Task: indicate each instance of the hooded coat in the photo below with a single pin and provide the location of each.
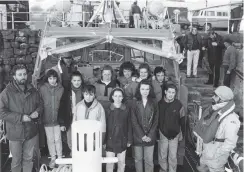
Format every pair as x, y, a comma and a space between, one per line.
51, 96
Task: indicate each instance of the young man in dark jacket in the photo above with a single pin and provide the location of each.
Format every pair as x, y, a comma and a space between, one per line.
214, 45
20, 108
136, 13
193, 46
171, 127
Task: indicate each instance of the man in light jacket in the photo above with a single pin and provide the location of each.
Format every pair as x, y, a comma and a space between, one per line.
215, 153
229, 63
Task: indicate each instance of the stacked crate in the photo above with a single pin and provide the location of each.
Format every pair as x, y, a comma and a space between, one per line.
18, 47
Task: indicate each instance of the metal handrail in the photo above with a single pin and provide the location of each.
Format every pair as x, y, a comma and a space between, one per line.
238, 73
44, 14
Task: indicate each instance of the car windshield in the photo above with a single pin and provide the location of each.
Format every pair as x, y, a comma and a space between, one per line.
196, 13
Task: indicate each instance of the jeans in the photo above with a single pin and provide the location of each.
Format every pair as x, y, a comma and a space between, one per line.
22, 154
224, 78
137, 21
144, 153
121, 162
166, 146
192, 55
215, 77
54, 141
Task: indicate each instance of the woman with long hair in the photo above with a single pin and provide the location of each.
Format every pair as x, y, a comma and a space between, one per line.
144, 118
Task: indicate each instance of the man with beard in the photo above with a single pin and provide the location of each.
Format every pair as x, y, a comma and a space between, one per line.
219, 138
214, 46
20, 108
171, 128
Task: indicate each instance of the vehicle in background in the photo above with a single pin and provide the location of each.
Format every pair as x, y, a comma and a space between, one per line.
214, 18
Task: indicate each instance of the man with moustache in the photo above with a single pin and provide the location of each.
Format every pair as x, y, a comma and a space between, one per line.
21, 107
171, 128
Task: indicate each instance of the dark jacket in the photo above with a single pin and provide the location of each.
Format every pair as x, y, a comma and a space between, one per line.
135, 9
124, 82
214, 52
52, 63
51, 97
66, 73
181, 40
14, 103
144, 122
189, 41
171, 118
103, 91
119, 131
130, 90
65, 115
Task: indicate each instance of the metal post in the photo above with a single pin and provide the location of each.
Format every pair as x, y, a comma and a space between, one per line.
1, 18
12, 13
206, 20
229, 16
83, 15
1, 157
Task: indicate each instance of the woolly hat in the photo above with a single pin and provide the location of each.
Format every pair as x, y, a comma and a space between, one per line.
224, 93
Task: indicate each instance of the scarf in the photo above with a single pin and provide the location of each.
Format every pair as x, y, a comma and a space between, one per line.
88, 104
76, 96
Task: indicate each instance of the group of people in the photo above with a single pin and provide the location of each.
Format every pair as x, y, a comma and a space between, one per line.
133, 109
136, 109
220, 54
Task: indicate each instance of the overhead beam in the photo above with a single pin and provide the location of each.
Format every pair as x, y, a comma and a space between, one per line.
149, 49
75, 46
79, 32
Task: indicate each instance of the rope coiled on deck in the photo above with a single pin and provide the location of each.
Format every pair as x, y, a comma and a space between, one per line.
61, 168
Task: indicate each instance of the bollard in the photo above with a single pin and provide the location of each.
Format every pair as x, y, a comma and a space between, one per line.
86, 147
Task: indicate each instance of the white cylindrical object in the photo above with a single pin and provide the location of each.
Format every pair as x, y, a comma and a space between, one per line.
64, 161
87, 146
110, 160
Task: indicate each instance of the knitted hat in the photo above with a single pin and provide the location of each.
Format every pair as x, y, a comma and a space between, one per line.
224, 93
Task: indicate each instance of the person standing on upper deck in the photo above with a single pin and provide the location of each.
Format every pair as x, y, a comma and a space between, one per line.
229, 63
214, 45
136, 12
193, 46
